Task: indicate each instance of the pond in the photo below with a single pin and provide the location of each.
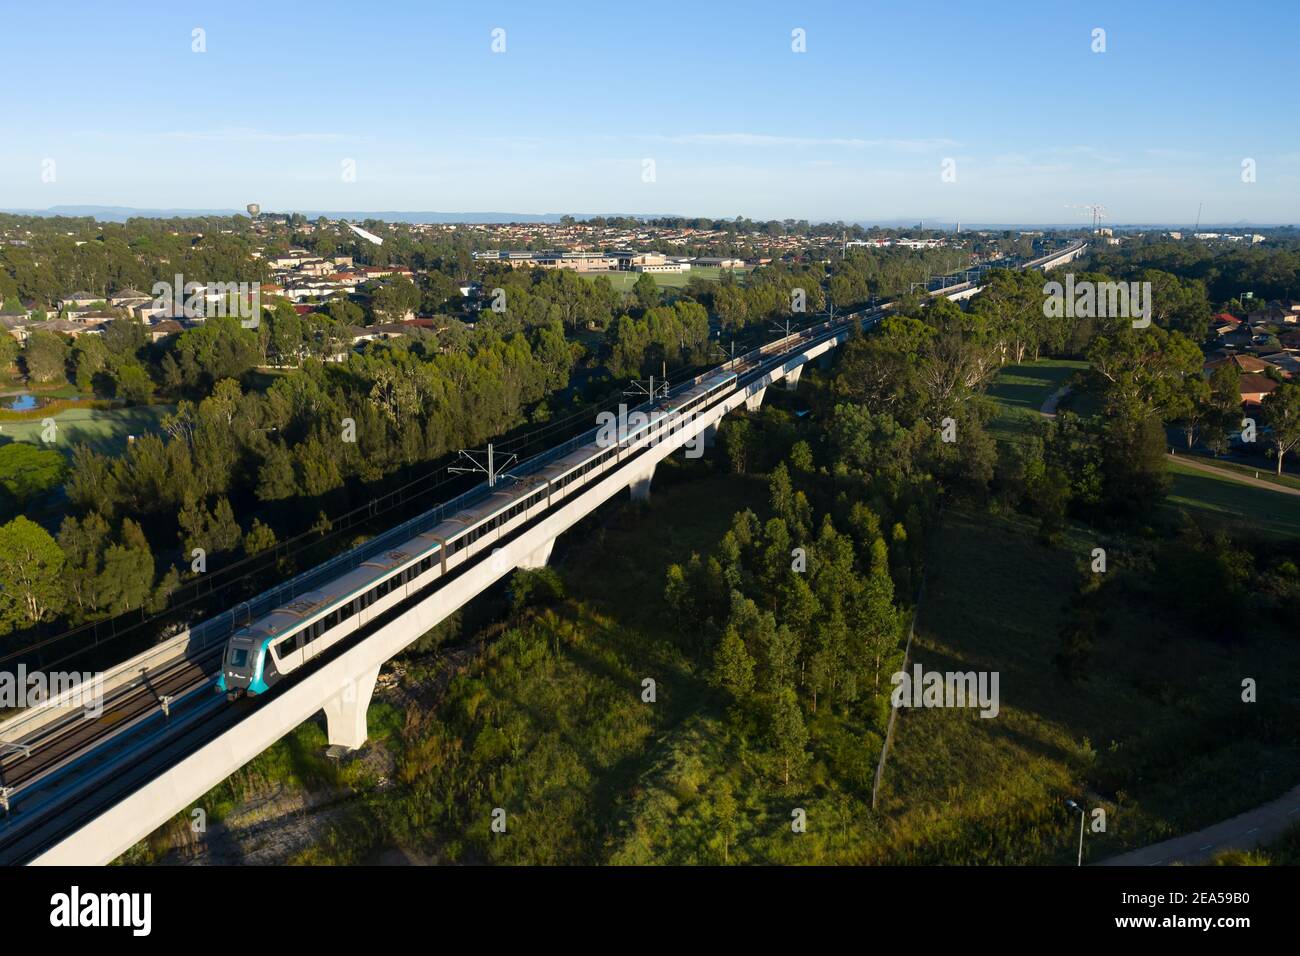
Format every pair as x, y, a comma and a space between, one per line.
26, 401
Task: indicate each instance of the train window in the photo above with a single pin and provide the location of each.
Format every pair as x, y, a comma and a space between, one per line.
332, 620
239, 657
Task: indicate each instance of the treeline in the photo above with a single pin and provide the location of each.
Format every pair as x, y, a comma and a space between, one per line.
865, 274
104, 258
770, 294
310, 438
796, 616
1269, 270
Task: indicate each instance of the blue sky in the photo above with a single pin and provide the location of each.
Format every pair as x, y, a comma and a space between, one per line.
735, 122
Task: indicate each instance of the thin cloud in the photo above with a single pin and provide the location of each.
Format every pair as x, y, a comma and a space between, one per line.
259, 136
803, 142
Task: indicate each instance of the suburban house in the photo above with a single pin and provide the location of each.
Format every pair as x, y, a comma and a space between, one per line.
1287, 362
163, 328
1255, 387
1223, 323
1247, 363
129, 299
79, 300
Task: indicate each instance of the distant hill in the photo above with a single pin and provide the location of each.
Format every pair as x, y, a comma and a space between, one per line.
123, 213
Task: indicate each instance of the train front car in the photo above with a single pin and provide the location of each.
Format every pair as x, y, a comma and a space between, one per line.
243, 664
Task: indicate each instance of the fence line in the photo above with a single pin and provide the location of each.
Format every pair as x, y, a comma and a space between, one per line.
907, 654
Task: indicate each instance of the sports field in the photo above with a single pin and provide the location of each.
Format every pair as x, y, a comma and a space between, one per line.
1221, 500
1021, 390
623, 281
105, 430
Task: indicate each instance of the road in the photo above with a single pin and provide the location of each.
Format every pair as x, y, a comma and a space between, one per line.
1228, 473
1243, 832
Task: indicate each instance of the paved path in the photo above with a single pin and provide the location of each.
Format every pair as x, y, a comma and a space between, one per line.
1243, 832
1192, 462
1049, 405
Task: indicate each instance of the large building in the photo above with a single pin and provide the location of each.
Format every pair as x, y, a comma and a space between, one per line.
625, 261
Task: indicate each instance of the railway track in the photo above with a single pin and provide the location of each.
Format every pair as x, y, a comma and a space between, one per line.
72, 768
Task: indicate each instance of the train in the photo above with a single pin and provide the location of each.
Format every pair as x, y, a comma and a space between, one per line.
279, 644
274, 647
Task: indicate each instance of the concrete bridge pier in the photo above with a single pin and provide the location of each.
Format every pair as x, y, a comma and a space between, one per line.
755, 401
792, 378
640, 485
539, 557
345, 712
710, 435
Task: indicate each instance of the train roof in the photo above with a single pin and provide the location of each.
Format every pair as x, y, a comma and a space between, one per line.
306, 604
444, 530
390, 559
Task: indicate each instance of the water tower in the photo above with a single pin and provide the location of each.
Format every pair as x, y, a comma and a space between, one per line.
253, 209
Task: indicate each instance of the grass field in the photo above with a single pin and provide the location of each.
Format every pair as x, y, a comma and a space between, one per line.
1159, 739
1021, 390
1216, 500
104, 430
623, 281
1266, 473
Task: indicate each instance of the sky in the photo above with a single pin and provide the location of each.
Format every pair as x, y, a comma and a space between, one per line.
995, 112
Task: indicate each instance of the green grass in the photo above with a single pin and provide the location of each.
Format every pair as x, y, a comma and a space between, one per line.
17, 384
1283, 851
1021, 390
623, 281
1223, 501
1286, 479
104, 430
1156, 735
548, 722
691, 513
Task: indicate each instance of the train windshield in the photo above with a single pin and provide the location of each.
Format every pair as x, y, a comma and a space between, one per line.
238, 656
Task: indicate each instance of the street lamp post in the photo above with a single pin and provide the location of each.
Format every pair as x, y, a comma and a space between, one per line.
1074, 806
